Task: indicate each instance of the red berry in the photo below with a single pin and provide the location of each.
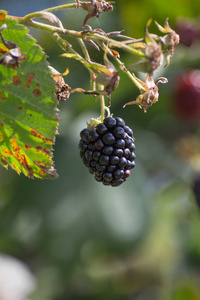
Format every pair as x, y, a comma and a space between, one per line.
188, 32
187, 95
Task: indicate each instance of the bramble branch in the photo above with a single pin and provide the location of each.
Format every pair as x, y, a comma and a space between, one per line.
149, 50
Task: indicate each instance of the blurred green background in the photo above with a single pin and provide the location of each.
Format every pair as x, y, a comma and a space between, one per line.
83, 240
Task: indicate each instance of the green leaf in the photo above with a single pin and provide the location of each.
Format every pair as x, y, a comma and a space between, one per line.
91, 66
28, 108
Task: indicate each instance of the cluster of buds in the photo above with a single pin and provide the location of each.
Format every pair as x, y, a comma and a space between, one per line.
154, 48
150, 50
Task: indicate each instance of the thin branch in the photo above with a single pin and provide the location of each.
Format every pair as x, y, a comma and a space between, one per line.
87, 56
85, 35
84, 48
123, 68
59, 7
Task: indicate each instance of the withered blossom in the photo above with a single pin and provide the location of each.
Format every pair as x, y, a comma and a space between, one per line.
170, 40
110, 79
94, 8
150, 94
153, 53
62, 89
11, 55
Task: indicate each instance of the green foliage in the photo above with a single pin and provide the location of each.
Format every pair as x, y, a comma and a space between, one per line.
27, 108
135, 13
84, 241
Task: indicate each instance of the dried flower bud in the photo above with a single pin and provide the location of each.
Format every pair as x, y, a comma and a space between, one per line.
51, 18
154, 53
170, 40
11, 54
109, 78
7, 60
113, 83
150, 94
62, 89
94, 8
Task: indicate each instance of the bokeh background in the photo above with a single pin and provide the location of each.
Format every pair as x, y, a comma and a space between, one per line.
82, 240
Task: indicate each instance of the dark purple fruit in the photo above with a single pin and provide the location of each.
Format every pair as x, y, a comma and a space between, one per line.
108, 151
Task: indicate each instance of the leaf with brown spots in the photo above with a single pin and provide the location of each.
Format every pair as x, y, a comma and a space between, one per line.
28, 108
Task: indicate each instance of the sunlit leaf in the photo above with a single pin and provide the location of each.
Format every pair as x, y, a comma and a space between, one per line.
28, 120
91, 66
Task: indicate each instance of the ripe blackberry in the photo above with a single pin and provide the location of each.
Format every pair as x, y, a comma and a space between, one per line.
108, 151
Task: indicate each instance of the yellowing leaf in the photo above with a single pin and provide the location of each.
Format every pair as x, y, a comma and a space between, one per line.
28, 110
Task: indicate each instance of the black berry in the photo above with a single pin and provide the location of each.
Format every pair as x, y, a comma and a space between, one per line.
84, 135
108, 151
120, 122
108, 138
128, 130
101, 128
119, 132
120, 143
118, 152
96, 155
93, 135
110, 122
99, 144
114, 160
104, 160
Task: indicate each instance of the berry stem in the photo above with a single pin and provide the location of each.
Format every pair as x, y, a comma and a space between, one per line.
59, 7
87, 56
103, 106
122, 67
61, 42
129, 74
84, 49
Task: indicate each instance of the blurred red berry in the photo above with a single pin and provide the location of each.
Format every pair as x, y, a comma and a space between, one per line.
188, 31
186, 100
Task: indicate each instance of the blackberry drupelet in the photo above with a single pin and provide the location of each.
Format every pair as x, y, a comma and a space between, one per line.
108, 151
